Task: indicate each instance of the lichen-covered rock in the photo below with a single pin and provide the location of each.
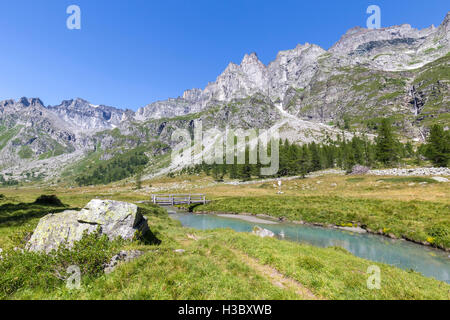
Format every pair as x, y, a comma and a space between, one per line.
117, 219
113, 218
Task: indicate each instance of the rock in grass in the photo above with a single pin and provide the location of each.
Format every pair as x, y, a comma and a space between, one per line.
122, 256
263, 233
358, 169
117, 219
113, 218
440, 179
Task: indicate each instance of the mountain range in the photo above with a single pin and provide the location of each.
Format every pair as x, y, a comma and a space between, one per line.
308, 92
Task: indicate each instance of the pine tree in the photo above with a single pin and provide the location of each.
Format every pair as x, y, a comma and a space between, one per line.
245, 172
303, 161
139, 180
438, 146
216, 172
233, 171
386, 144
315, 157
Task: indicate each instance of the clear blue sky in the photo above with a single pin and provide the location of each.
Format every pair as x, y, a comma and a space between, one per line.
130, 53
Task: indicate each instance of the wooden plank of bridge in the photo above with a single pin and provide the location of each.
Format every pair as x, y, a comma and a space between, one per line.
174, 199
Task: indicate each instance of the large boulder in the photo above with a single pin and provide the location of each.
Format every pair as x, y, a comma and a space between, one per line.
113, 218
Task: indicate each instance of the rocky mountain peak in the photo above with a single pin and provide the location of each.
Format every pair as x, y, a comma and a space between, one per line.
446, 22
251, 59
193, 95
27, 102
232, 67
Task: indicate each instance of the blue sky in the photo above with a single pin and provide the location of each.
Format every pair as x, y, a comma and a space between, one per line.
130, 53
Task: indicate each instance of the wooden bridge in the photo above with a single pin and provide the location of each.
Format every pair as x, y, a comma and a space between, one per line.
174, 199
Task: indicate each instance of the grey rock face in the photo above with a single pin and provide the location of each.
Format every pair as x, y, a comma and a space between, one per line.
397, 72
122, 257
396, 48
166, 109
115, 219
83, 116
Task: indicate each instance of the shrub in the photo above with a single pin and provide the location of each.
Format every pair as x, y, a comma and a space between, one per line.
47, 272
90, 254
49, 200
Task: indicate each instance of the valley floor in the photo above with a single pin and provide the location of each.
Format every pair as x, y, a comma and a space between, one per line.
223, 264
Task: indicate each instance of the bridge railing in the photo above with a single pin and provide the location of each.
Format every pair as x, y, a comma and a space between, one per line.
173, 199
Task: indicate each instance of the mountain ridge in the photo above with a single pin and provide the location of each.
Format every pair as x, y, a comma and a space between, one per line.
397, 72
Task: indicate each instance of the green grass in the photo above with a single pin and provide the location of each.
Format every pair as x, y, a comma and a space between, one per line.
211, 268
333, 272
433, 72
214, 267
408, 180
56, 150
416, 220
7, 134
25, 152
357, 179
390, 96
18, 219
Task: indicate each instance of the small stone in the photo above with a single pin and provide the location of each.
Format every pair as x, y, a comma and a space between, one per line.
179, 251
192, 237
122, 256
263, 233
440, 179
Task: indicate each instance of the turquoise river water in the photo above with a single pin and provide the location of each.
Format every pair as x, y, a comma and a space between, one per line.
400, 253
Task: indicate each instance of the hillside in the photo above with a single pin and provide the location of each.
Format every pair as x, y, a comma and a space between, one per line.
309, 93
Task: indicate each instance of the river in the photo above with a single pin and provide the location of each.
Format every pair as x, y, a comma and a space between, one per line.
400, 253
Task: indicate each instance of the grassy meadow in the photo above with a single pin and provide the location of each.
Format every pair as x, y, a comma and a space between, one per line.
223, 264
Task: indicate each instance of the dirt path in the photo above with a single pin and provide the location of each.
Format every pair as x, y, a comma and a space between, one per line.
275, 277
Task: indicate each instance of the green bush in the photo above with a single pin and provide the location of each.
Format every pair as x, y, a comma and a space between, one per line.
49, 200
29, 270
